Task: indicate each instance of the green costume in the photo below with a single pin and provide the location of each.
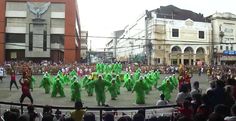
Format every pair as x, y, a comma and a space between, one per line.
166, 87
174, 81
113, 89
72, 74
129, 84
126, 76
75, 91
57, 88
137, 75
148, 83
32, 82
46, 84
100, 85
108, 77
139, 88
118, 83
66, 79
89, 88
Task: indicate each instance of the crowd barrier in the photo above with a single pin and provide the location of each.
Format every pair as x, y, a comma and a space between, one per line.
100, 110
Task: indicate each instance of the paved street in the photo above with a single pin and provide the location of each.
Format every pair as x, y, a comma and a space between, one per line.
125, 99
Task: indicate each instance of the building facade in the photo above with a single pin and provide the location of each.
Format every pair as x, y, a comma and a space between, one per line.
224, 41
84, 44
167, 36
112, 44
40, 30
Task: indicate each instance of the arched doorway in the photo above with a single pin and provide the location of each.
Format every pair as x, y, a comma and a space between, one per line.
188, 56
175, 55
200, 54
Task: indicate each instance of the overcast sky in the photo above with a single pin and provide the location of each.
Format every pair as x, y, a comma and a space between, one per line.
102, 17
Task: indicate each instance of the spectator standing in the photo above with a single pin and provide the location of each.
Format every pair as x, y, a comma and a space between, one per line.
78, 114
196, 89
182, 95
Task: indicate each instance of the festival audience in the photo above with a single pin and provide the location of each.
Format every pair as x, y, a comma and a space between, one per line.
88, 116
233, 114
162, 101
196, 89
78, 114
217, 104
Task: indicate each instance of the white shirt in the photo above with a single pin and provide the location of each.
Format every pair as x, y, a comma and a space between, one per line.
232, 118
181, 97
195, 91
1, 72
161, 103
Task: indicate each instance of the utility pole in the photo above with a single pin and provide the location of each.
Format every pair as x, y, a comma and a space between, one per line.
90, 48
148, 44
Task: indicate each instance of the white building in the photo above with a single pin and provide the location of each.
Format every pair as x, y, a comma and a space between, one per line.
167, 35
84, 44
224, 33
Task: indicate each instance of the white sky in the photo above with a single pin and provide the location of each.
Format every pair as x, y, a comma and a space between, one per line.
102, 17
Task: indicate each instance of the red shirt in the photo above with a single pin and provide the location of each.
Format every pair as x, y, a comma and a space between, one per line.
186, 112
13, 77
25, 88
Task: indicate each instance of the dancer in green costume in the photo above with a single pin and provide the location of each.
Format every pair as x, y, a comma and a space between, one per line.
129, 84
100, 85
89, 88
166, 87
113, 89
46, 84
57, 88
75, 91
66, 79
139, 88
148, 84
32, 82
126, 76
118, 83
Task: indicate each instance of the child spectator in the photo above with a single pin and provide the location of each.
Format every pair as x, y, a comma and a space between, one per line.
161, 101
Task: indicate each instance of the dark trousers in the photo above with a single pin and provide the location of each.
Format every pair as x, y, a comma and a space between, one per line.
13, 82
23, 97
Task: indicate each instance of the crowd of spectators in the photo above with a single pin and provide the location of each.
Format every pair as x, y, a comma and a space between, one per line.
215, 104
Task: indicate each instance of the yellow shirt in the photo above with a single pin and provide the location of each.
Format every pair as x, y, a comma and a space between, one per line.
78, 115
